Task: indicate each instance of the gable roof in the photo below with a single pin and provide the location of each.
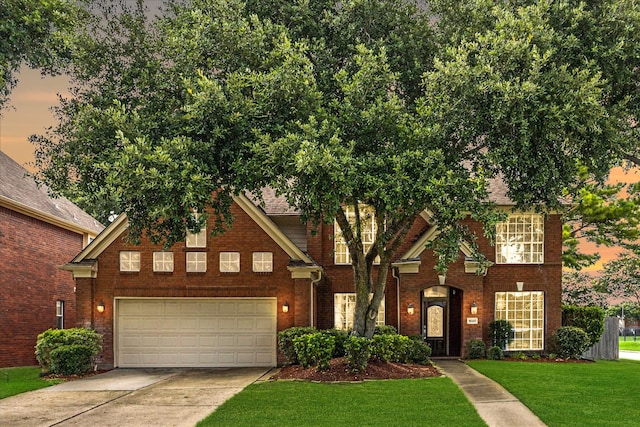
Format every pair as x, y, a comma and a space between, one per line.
19, 192
83, 265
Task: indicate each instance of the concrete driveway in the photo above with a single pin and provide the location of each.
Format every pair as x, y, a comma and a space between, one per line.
132, 397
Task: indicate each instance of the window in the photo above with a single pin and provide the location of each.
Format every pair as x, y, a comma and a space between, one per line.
262, 262
196, 262
60, 314
229, 262
163, 261
369, 228
525, 312
197, 240
344, 306
520, 240
129, 261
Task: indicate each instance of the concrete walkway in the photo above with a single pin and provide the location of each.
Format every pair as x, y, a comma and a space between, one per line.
129, 397
496, 406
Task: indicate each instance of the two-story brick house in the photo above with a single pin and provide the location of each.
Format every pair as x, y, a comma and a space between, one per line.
37, 234
220, 301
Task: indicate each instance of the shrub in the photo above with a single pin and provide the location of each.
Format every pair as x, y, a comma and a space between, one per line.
589, 319
382, 347
285, 341
73, 359
385, 330
358, 353
476, 349
519, 355
51, 339
340, 336
569, 342
501, 334
314, 349
495, 353
418, 351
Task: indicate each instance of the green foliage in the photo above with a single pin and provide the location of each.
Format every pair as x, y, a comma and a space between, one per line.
314, 349
589, 319
382, 347
72, 359
569, 342
340, 337
286, 338
519, 355
581, 289
495, 353
475, 349
340, 103
35, 33
418, 351
51, 339
628, 310
358, 351
385, 330
501, 333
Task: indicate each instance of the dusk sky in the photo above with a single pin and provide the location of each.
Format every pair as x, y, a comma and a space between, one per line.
30, 113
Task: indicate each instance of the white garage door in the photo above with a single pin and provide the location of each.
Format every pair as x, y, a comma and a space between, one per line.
218, 332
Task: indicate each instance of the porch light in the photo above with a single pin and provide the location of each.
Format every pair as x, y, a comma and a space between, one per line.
100, 307
519, 286
285, 307
410, 309
474, 308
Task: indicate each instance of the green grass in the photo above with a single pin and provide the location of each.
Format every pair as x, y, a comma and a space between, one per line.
630, 344
19, 380
432, 402
572, 394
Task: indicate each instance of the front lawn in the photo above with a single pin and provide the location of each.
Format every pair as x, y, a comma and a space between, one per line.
433, 402
19, 380
572, 394
630, 344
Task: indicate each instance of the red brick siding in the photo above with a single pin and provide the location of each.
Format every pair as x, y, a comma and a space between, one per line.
245, 237
31, 283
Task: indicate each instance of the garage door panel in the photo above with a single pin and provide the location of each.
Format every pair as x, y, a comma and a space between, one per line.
192, 333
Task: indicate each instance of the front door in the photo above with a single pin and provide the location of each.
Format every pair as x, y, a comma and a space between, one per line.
441, 320
436, 326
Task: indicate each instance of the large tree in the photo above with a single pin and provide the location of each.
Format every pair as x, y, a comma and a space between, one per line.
383, 108
34, 33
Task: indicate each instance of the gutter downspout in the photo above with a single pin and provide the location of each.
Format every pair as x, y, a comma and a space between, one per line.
311, 302
393, 273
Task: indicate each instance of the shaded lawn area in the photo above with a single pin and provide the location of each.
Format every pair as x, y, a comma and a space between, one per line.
19, 380
432, 402
572, 394
630, 344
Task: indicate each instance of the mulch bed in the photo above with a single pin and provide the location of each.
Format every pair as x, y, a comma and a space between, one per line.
338, 372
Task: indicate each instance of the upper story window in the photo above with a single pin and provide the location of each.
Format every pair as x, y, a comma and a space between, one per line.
163, 261
196, 262
129, 261
197, 240
520, 240
368, 233
229, 262
262, 262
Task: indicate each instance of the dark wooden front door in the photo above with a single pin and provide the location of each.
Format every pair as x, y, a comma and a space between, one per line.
435, 326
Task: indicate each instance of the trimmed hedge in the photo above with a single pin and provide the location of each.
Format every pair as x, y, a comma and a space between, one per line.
495, 353
87, 343
358, 353
476, 349
74, 359
340, 337
569, 342
589, 319
501, 333
285, 341
314, 349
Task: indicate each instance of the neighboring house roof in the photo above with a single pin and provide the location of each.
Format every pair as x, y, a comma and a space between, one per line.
19, 192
